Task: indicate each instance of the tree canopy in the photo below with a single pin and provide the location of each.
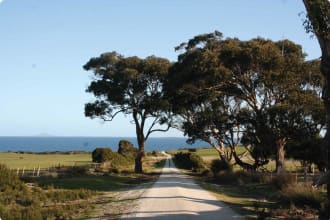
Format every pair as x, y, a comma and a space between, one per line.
256, 91
131, 86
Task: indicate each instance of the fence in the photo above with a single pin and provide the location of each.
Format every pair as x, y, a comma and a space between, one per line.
53, 170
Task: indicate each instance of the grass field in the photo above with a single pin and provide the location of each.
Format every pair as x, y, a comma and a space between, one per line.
30, 161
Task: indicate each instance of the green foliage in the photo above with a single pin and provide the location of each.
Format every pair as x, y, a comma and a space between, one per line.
220, 165
131, 86
101, 155
317, 17
262, 89
127, 149
9, 180
118, 160
189, 161
307, 150
115, 160
18, 202
240, 178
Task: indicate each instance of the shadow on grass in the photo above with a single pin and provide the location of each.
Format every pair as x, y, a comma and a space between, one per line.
250, 200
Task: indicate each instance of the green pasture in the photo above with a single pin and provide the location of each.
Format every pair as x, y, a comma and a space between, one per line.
206, 152
30, 161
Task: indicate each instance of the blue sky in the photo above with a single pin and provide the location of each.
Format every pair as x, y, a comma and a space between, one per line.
45, 43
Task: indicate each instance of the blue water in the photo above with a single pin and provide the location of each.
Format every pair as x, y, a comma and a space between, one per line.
47, 144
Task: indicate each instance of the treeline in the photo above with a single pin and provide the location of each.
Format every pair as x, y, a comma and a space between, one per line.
225, 91
260, 93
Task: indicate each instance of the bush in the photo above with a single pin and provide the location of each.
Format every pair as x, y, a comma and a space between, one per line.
189, 161
101, 155
127, 149
9, 179
220, 165
18, 202
284, 180
118, 160
240, 177
197, 162
302, 196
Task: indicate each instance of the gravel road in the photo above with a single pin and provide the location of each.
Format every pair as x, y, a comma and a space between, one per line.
175, 196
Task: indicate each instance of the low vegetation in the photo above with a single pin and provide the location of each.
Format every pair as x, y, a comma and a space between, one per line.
76, 189
189, 161
21, 201
256, 194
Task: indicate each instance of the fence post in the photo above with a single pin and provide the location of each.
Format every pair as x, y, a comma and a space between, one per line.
17, 172
296, 176
305, 174
38, 172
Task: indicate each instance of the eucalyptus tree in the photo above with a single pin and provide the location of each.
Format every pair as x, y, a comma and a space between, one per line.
130, 86
250, 82
200, 110
318, 22
272, 82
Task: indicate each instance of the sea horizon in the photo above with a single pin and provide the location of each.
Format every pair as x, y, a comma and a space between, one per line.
87, 143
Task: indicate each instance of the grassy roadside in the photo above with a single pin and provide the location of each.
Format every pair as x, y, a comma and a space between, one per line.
258, 195
249, 201
72, 195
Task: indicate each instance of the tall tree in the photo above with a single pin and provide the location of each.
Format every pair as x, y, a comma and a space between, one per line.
131, 86
318, 22
243, 87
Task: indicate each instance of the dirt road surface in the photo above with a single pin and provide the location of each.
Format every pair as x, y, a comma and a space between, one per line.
175, 196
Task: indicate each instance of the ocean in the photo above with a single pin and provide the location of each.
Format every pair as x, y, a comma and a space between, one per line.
51, 144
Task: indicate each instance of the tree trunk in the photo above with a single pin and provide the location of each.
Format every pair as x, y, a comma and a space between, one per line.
319, 20
280, 156
220, 149
140, 154
138, 162
139, 158
325, 68
245, 166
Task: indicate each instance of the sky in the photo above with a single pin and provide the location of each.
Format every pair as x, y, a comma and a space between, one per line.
45, 43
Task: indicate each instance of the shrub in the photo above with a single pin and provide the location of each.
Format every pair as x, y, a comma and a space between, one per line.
79, 171
18, 202
9, 179
189, 161
127, 149
302, 196
240, 177
101, 155
118, 160
220, 165
197, 162
284, 180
